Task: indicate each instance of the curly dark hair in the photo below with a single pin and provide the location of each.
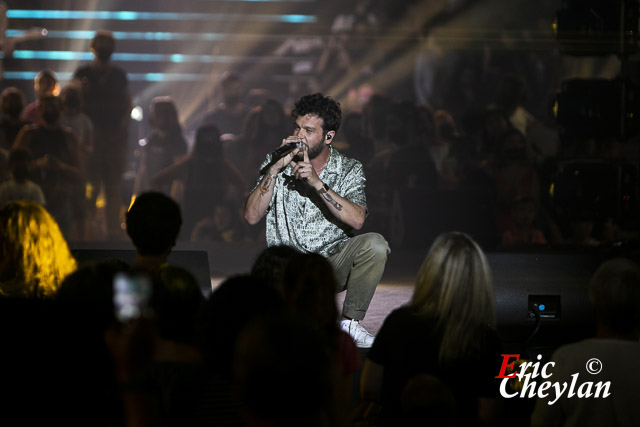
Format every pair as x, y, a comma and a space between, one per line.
323, 106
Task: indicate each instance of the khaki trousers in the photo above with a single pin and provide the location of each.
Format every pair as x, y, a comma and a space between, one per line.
358, 268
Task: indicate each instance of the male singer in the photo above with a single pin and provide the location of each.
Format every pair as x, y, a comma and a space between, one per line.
313, 198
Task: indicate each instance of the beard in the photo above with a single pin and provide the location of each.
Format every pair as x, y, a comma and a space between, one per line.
316, 150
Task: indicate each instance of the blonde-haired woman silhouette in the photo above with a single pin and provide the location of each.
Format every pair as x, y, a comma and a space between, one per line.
35, 256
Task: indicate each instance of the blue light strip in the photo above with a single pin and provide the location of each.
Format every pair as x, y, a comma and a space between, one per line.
156, 16
163, 36
140, 77
56, 55
176, 58
29, 75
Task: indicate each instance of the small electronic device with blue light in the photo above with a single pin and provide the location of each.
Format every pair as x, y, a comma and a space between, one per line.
548, 306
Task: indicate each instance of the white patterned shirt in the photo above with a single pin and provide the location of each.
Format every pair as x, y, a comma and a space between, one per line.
298, 217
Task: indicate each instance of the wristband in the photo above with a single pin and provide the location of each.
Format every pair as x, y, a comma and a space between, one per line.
324, 188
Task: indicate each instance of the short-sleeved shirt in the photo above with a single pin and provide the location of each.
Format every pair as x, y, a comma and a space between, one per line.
298, 217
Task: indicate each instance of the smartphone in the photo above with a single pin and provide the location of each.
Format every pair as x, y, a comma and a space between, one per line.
131, 295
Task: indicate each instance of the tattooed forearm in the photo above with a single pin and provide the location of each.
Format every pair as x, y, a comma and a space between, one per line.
330, 199
266, 184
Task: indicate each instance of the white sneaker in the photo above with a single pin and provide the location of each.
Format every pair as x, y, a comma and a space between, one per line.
361, 337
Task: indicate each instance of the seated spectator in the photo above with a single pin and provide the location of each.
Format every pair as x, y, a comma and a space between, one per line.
35, 256
614, 292
445, 331
524, 231
11, 106
19, 187
153, 224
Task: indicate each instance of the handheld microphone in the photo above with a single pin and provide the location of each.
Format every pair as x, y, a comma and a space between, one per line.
281, 151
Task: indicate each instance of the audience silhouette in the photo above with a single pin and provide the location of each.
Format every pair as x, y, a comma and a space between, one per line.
35, 256
446, 331
153, 224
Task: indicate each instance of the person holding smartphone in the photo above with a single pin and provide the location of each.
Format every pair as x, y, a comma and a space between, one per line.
314, 199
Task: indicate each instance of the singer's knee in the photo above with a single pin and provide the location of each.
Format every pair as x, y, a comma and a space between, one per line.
376, 246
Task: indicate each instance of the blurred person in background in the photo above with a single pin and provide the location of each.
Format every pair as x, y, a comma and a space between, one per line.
55, 164
19, 186
229, 114
162, 147
107, 102
73, 118
11, 106
44, 84
209, 180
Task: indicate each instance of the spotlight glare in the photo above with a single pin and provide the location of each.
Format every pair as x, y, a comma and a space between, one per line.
137, 113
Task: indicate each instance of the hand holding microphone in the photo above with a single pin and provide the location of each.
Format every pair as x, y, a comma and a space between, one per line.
283, 155
284, 149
